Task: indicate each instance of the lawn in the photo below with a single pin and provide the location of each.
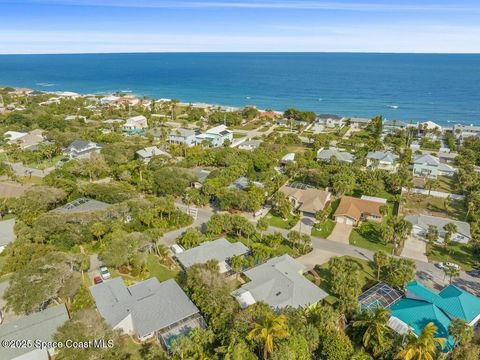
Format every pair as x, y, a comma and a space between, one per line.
278, 222
160, 271
460, 254
367, 236
46, 163
238, 135
446, 184
366, 274
324, 230
416, 203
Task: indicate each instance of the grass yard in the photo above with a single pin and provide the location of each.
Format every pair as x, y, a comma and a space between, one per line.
278, 222
367, 236
460, 254
46, 163
366, 273
160, 271
446, 184
416, 203
238, 135
324, 230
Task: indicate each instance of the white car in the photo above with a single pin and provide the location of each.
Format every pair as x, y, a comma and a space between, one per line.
445, 265
104, 273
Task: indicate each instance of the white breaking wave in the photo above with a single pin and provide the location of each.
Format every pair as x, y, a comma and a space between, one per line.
45, 84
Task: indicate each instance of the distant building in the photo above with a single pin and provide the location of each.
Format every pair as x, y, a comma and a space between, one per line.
359, 122
390, 126
250, 145
147, 153
279, 283
183, 136
341, 156
7, 233
81, 149
430, 125
39, 326
215, 137
306, 199
220, 250
330, 120
383, 160
135, 124
461, 132
421, 224
426, 165
351, 210
147, 309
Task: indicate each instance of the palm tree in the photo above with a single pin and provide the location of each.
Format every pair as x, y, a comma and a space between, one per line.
374, 326
451, 272
461, 332
267, 330
423, 347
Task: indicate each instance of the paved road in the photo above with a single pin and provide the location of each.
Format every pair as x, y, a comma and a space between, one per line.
21, 170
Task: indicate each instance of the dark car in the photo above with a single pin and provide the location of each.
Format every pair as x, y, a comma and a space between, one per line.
97, 279
474, 273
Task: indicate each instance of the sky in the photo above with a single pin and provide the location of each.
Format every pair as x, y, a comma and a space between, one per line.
105, 26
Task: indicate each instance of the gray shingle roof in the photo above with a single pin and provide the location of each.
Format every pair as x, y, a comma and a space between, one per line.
424, 221
219, 250
151, 151
42, 326
242, 183
383, 156
152, 305
279, 283
426, 159
82, 205
7, 235
343, 156
183, 132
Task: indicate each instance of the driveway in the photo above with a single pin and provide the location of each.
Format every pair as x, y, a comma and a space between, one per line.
305, 225
415, 248
341, 233
316, 257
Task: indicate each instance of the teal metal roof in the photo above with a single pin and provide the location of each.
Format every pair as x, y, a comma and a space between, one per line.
418, 313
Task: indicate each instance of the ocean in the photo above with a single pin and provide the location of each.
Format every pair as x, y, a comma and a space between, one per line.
409, 87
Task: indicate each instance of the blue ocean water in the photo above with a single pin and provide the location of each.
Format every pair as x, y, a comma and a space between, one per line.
410, 87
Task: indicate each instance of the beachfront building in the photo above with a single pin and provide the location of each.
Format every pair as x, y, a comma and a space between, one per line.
220, 250
383, 160
426, 165
352, 210
183, 136
215, 137
330, 120
7, 233
421, 306
135, 125
326, 155
38, 326
148, 309
81, 149
359, 122
147, 153
421, 223
462, 132
390, 126
306, 199
279, 283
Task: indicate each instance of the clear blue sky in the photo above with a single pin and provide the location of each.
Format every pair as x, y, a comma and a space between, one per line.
89, 26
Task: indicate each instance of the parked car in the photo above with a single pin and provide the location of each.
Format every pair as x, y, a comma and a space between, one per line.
97, 280
105, 273
445, 265
474, 273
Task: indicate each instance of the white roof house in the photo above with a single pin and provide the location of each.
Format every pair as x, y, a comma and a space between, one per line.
340, 155
147, 153
135, 123
430, 125
279, 283
215, 136
430, 166
422, 222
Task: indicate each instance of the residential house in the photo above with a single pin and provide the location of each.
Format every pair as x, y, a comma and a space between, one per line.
421, 224
383, 160
220, 250
351, 210
7, 233
82, 205
200, 175
183, 136
279, 282
81, 149
430, 126
215, 137
26, 141
430, 166
359, 122
38, 326
288, 158
147, 153
340, 155
147, 309
243, 183
330, 120
390, 126
250, 145
135, 124
462, 132
422, 306
306, 199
